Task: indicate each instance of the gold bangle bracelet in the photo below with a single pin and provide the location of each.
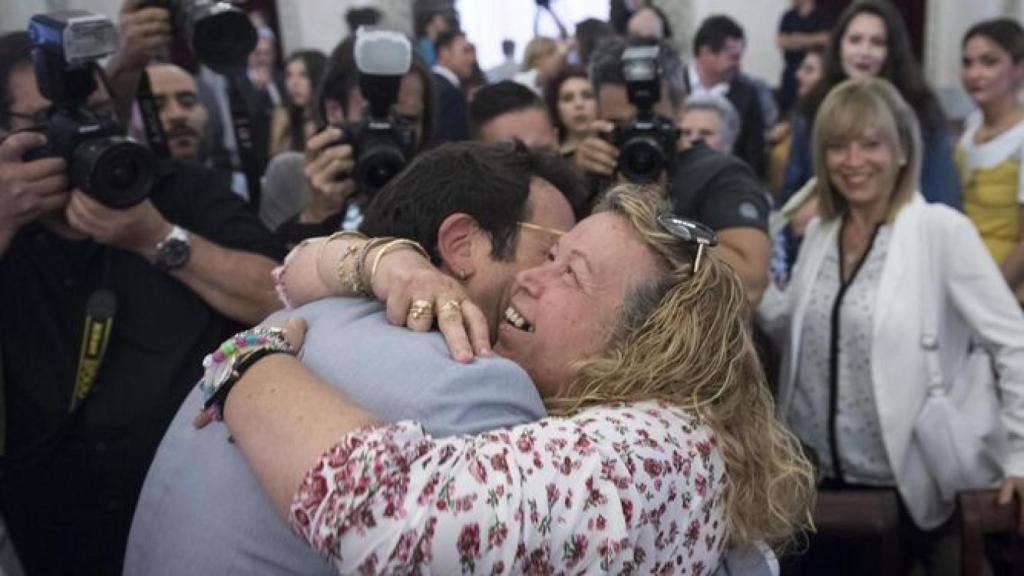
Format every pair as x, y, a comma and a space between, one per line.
336, 236
396, 243
359, 281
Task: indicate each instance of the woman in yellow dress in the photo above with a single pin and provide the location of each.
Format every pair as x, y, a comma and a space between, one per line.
991, 149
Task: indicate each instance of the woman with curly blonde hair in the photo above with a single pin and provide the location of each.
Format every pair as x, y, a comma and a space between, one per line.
661, 448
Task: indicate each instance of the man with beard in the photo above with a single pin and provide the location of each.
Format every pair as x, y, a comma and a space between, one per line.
182, 115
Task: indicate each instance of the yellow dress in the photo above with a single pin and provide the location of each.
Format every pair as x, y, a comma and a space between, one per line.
992, 183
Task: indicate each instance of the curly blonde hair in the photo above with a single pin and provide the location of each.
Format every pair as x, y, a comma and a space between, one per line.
686, 340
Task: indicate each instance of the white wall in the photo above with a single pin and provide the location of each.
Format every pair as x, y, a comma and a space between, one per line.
321, 24
488, 22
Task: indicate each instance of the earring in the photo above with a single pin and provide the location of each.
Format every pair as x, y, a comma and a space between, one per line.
463, 275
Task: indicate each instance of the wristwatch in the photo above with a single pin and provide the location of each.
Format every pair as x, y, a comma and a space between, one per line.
174, 250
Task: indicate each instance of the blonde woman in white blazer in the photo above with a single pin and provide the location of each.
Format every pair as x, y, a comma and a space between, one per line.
849, 323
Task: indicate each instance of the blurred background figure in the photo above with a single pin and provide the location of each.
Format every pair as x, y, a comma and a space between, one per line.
709, 119
429, 26
542, 61
296, 121
454, 66
362, 16
572, 106
510, 111
649, 22
803, 27
780, 136
588, 33
718, 50
509, 67
990, 154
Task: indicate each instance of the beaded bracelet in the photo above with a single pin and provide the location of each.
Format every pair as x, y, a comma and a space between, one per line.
396, 243
220, 363
215, 403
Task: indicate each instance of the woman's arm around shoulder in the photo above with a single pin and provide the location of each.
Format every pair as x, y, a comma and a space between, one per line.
608, 490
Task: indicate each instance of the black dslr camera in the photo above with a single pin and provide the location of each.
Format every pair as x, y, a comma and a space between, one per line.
110, 167
382, 143
646, 144
220, 34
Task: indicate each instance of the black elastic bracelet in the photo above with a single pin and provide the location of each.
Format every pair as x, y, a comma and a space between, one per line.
221, 396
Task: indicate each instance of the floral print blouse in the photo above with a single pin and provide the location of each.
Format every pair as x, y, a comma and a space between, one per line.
627, 489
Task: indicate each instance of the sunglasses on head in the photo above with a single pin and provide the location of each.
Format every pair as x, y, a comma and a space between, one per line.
691, 232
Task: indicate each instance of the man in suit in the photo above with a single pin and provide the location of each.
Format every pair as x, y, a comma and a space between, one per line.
455, 60
717, 50
201, 509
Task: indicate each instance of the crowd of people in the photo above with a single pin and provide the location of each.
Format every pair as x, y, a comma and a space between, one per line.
594, 310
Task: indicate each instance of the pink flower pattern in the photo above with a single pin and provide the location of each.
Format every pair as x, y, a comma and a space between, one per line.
637, 488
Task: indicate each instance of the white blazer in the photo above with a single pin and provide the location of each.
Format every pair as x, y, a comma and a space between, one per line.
973, 300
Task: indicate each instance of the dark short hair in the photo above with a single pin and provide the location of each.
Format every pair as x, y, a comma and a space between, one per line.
356, 17
341, 76
447, 38
15, 51
489, 182
1006, 32
715, 31
606, 66
503, 97
588, 33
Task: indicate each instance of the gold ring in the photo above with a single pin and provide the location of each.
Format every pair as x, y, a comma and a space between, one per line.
420, 308
451, 305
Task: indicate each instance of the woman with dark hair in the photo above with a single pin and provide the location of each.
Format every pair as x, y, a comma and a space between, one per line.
295, 123
871, 40
991, 150
572, 106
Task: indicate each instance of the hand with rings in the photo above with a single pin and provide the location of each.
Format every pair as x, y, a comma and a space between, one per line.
426, 298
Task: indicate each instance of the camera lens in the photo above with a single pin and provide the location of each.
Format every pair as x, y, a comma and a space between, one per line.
641, 160
221, 35
115, 170
379, 165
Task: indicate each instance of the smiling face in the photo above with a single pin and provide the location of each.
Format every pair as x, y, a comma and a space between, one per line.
864, 46
988, 71
864, 167
491, 285
565, 310
577, 106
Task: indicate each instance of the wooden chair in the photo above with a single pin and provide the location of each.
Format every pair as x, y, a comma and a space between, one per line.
863, 514
981, 516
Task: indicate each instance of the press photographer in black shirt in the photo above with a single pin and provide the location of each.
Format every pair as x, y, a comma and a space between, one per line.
106, 314
716, 189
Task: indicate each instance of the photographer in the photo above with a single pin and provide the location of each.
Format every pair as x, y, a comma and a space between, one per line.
107, 311
714, 188
319, 192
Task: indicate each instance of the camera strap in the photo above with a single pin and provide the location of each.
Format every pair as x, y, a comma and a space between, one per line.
241, 124
151, 118
100, 309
